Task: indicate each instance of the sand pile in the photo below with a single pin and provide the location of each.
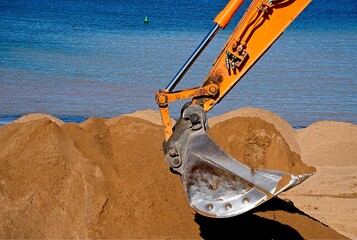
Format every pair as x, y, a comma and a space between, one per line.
89, 180
107, 179
258, 145
330, 195
283, 127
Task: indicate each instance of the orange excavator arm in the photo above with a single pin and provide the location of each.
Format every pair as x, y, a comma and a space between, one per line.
261, 25
259, 28
188, 149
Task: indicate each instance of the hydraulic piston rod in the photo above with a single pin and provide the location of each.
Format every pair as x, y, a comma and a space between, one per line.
192, 58
221, 20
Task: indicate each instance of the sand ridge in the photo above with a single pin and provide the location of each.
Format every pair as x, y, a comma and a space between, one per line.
106, 178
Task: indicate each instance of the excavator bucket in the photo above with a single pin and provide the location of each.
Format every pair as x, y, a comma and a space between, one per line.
217, 185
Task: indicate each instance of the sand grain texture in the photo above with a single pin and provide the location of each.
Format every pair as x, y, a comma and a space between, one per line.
106, 178
258, 145
330, 195
283, 127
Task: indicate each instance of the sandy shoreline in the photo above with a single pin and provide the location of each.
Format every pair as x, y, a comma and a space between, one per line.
106, 178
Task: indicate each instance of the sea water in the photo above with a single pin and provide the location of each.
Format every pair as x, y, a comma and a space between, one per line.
79, 58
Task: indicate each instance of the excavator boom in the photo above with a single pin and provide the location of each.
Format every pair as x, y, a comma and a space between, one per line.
217, 185
260, 27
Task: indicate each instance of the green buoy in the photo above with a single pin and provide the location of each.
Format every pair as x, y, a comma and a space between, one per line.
146, 20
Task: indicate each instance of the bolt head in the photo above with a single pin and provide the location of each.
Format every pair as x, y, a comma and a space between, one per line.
194, 118
162, 99
176, 161
228, 206
213, 90
210, 207
172, 151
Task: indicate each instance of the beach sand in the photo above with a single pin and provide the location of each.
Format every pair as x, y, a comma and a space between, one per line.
106, 178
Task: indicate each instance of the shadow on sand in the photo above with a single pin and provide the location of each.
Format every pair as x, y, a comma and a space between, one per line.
249, 225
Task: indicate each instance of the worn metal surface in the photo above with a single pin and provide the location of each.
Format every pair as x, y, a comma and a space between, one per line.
217, 185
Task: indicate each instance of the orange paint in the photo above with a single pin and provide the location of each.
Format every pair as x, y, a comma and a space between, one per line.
258, 29
223, 18
262, 24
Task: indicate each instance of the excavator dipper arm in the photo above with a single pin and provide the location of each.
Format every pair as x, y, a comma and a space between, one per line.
217, 185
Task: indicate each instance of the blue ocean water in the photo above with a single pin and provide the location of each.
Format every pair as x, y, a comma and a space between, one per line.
76, 59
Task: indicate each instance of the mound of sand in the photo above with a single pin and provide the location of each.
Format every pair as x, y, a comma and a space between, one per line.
331, 194
282, 126
37, 116
329, 138
257, 144
107, 179
88, 180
